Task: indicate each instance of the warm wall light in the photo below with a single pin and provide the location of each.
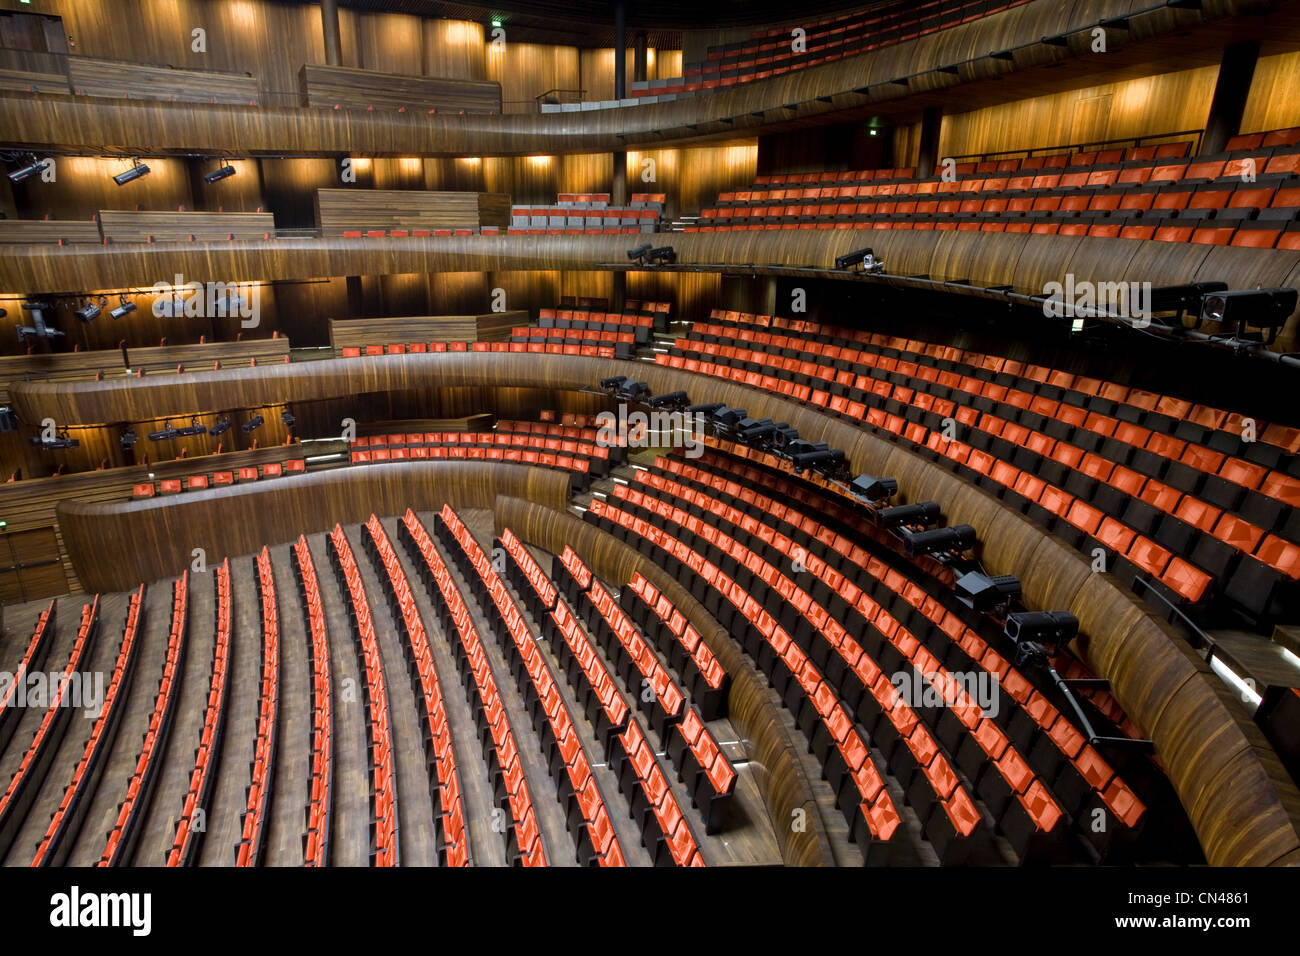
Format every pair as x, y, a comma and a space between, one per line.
409, 164
540, 160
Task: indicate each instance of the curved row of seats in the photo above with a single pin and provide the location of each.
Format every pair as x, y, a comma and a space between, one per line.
578, 455
252, 841
1060, 460
191, 826
578, 792
510, 787
440, 756
1246, 197
125, 832
33, 659
320, 799
878, 597
771, 52
688, 655
56, 844
218, 479
26, 783
866, 803
384, 849
535, 348
653, 687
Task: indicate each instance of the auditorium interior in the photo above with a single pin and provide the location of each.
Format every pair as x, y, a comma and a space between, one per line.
660, 434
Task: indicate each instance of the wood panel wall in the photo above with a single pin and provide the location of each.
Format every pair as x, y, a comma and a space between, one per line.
1273, 103
1124, 109
116, 546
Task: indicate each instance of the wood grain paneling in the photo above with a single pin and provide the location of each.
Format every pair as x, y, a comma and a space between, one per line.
113, 545
488, 327
1121, 110
340, 210
330, 86
526, 70
1273, 103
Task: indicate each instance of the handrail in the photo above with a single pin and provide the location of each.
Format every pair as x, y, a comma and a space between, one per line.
1148, 139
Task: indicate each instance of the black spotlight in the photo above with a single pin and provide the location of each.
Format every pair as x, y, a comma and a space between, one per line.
225, 172
922, 514
727, 417
34, 168
220, 428
985, 593
1042, 627
89, 312
126, 308
286, 417
633, 391
860, 257
614, 382
953, 539
135, 172
706, 409
784, 436
826, 459
873, 489
1183, 298
8, 420
662, 255
128, 440
1266, 309
750, 430
639, 253
672, 398
253, 424
55, 444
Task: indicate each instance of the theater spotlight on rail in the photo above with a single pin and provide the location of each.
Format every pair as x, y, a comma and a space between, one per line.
866, 258
943, 544
137, 171
253, 424
126, 308
1245, 309
871, 490
987, 593
671, 400
34, 168
225, 172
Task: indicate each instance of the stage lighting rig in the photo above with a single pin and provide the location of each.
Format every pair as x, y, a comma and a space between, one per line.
920, 515
170, 431
220, 428
672, 399
638, 254
613, 383
943, 544
661, 255
128, 440
708, 408
872, 491
34, 167
253, 424
58, 443
225, 172
287, 419
633, 391
126, 308
91, 310
866, 258
987, 594
136, 171
1237, 312
38, 328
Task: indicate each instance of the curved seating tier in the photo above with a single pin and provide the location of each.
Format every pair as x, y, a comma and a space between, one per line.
316, 839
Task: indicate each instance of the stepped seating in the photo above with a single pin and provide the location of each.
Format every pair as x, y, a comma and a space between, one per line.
932, 638
54, 847
384, 848
203, 778
590, 214
218, 479
593, 686
539, 348
252, 845
664, 829
577, 790
1243, 197
509, 785
680, 642
848, 765
316, 839
32, 661
770, 52
1166, 488
125, 832
440, 756
27, 780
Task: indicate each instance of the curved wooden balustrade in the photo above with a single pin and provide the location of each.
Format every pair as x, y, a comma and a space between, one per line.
1243, 806
118, 544
1025, 261
935, 64
781, 776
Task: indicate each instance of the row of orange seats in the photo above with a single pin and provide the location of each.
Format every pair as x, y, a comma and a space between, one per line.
532, 348
872, 817
1051, 724
688, 655
131, 812
211, 735
26, 782
593, 685
537, 334
591, 828
320, 789
889, 720
33, 658
510, 786
1185, 579
53, 848
662, 701
218, 479
385, 850
664, 829
414, 442
440, 756
252, 843
418, 233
